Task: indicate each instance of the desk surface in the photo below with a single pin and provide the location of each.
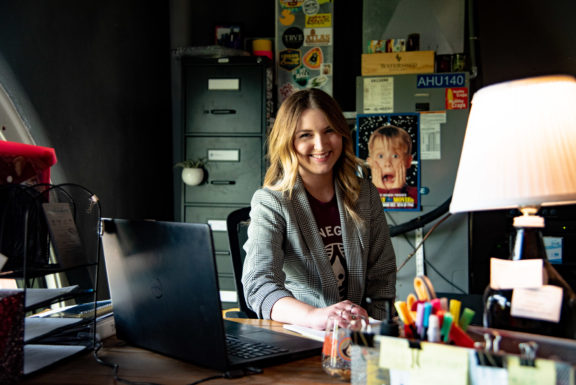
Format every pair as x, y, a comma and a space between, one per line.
137, 364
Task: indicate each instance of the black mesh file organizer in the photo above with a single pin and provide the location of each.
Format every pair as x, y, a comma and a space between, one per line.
50, 235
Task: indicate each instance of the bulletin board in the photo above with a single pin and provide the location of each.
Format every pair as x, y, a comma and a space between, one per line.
409, 197
304, 45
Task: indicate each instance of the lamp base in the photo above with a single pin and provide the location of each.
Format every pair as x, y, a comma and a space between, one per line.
498, 303
497, 316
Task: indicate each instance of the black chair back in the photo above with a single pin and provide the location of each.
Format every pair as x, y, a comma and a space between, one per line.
237, 227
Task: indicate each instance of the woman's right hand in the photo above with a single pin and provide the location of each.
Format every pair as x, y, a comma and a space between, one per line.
345, 310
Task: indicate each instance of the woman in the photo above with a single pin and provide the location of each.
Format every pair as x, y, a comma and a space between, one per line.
318, 242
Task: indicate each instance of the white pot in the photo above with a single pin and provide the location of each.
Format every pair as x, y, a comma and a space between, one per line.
192, 176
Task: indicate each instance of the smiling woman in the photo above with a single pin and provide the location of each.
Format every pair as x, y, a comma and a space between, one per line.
318, 242
318, 147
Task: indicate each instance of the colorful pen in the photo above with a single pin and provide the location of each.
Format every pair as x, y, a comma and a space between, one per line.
420, 320
446, 326
466, 318
444, 303
403, 312
455, 310
427, 313
433, 332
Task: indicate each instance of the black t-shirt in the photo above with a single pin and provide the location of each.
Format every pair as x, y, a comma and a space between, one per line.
328, 221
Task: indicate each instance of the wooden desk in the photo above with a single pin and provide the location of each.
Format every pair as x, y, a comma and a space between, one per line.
142, 365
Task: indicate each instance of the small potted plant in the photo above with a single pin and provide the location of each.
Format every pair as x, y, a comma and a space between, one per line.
192, 171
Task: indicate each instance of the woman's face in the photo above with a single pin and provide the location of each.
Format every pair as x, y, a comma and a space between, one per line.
318, 145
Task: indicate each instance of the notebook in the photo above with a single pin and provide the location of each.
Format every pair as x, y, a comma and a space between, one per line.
164, 288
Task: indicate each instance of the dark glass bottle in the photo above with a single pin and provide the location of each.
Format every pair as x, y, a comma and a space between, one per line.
529, 244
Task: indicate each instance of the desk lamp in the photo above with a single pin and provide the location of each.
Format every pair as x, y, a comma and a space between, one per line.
519, 152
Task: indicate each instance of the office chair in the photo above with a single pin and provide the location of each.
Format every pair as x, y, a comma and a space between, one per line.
237, 227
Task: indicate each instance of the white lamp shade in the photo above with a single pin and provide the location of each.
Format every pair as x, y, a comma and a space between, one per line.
520, 146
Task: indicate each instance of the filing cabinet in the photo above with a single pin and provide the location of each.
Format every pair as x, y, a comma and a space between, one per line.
233, 172
221, 114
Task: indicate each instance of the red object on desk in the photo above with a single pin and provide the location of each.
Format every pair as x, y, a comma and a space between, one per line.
460, 338
20, 162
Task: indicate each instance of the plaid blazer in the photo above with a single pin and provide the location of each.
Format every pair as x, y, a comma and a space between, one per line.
285, 253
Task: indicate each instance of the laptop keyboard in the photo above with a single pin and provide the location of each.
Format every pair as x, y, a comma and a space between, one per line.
244, 349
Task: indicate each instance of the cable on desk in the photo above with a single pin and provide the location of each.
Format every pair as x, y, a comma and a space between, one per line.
208, 379
231, 374
116, 367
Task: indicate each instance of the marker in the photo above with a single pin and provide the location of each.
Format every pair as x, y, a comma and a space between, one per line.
466, 318
427, 313
433, 329
446, 326
455, 310
403, 312
406, 318
444, 303
440, 315
436, 305
420, 320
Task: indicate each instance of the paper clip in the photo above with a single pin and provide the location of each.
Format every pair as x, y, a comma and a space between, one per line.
528, 353
488, 356
415, 349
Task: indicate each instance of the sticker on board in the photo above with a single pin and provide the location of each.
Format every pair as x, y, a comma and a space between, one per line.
287, 18
289, 59
313, 58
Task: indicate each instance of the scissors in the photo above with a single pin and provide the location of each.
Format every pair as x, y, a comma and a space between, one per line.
424, 289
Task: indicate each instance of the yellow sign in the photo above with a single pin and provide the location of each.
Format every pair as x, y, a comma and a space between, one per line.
320, 20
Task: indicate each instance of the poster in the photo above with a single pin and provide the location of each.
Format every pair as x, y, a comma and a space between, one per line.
390, 145
304, 44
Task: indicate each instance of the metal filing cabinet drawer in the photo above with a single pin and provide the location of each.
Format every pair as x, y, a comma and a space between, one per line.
224, 99
234, 169
216, 218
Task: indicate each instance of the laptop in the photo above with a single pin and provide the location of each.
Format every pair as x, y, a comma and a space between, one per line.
164, 288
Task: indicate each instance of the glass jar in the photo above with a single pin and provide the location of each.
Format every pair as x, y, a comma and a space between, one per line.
337, 349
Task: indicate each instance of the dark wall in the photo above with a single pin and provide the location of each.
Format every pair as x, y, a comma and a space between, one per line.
524, 38
97, 74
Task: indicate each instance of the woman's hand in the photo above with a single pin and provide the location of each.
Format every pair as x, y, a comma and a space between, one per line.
345, 311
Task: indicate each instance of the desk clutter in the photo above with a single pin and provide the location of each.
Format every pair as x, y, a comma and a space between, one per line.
437, 345
49, 256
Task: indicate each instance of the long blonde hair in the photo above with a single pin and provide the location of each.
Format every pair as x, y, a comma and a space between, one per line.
283, 170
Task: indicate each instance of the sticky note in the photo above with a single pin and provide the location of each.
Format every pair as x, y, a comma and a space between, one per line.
543, 303
440, 364
543, 373
395, 353
506, 274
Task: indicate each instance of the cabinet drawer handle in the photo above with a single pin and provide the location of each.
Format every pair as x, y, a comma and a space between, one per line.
222, 112
223, 182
